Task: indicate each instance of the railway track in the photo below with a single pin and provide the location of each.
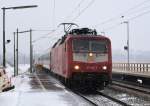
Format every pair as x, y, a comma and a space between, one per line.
96, 101
130, 95
110, 96
99, 98
132, 87
117, 97
113, 99
85, 98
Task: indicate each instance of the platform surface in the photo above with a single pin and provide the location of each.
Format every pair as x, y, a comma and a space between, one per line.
39, 89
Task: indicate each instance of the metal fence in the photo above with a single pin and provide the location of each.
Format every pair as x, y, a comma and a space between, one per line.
136, 67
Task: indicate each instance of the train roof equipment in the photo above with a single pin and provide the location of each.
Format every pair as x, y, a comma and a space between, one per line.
83, 31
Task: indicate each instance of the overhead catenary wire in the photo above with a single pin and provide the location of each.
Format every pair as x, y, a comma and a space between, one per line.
45, 35
73, 11
135, 7
137, 12
139, 15
48, 35
111, 19
83, 10
52, 40
40, 30
125, 13
49, 47
53, 19
112, 27
105, 29
129, 19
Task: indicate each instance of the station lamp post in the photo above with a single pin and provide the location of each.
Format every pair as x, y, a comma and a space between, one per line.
127, 47
4, 9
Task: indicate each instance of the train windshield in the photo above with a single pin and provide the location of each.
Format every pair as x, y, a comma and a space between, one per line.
89, 45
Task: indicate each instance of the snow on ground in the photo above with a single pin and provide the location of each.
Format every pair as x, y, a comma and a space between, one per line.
9, 70
22, 69
26, 93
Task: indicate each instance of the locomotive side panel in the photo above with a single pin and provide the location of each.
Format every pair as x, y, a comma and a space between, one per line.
59, 60
64, 60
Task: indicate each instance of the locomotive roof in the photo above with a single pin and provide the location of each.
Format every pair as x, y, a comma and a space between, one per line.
84, 32
86, 36
80, 33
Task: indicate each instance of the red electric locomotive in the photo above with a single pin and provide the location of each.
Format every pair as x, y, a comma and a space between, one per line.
82, 57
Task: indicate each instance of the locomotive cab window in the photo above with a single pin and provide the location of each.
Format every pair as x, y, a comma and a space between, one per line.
98, 46
90, 45
80, 45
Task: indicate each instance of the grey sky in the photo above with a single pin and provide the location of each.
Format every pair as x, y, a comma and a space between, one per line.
44, 18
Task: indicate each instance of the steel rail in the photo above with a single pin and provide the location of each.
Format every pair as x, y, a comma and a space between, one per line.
113, 99
79, 94
129, 86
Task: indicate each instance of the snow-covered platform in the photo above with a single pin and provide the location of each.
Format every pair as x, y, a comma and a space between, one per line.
39, 89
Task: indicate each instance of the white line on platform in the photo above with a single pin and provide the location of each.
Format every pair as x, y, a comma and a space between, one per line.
44, 89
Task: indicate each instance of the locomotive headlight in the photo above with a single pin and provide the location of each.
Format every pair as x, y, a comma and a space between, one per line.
76, 67
91, 54
104, 67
